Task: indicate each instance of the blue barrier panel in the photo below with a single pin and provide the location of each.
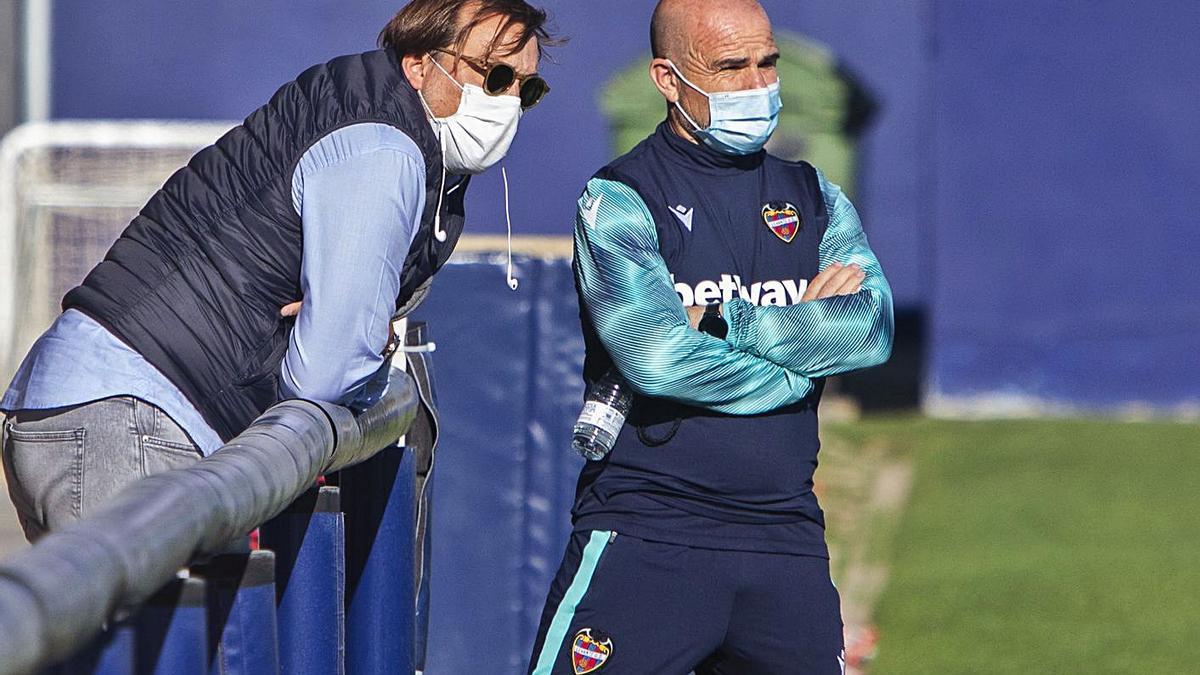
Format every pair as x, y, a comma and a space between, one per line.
379, 563
111, 653
308, 540
172, 631
242, 636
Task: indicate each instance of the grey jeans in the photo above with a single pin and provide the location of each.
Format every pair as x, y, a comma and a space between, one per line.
62, 464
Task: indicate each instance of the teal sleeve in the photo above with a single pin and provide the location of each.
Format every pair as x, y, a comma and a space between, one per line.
830, 336
627, 291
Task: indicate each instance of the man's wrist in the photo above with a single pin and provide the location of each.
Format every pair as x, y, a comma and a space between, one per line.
713, 322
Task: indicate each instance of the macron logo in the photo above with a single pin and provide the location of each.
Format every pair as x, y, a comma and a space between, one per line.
778, 293
684, 215
590, 211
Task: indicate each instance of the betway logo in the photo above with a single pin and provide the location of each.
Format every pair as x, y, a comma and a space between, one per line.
778, 293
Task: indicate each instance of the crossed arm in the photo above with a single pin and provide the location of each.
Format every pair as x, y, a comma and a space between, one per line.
833, 335
628, 294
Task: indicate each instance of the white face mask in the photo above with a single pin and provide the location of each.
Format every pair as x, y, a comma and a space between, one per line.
479, 133
740, 122
474, 138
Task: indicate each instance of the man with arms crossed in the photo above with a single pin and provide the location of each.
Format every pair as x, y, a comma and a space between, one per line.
698, 544
344, 191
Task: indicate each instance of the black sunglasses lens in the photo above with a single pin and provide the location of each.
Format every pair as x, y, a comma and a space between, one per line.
499, 78
533, 90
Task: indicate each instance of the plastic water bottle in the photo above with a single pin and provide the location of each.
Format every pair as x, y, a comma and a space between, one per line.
603, 415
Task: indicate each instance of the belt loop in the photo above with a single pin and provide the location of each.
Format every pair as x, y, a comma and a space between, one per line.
143, 416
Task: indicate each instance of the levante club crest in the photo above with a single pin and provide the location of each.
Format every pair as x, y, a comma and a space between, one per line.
587, 653
783, 219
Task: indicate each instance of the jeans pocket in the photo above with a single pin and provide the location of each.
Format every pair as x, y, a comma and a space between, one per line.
160, 455
46, 473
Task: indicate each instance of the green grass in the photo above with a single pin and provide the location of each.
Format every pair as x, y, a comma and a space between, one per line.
1040, 546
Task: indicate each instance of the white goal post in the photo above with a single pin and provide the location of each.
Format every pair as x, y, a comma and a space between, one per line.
67, 191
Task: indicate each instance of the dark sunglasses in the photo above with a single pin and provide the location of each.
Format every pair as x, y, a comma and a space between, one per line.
499, 77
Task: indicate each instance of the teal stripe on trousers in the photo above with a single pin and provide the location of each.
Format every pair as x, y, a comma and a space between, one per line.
566, 608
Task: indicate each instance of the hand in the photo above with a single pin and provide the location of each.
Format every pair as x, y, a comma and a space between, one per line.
695, 313
837, 279
288, 311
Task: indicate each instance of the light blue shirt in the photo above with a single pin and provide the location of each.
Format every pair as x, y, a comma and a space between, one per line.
360, 193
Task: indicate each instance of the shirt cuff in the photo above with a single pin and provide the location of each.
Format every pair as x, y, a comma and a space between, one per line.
374, 390
743, 328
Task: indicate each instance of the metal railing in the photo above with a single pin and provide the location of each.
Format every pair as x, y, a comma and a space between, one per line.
58, 595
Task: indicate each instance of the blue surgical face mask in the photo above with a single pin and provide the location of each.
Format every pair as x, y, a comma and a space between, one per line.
740, 122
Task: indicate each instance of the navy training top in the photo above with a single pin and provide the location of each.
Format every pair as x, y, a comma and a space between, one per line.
721, 444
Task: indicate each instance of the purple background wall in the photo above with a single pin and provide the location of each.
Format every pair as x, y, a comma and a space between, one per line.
221, 59
1065, 165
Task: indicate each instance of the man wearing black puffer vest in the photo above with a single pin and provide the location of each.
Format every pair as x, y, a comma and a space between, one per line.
271, 266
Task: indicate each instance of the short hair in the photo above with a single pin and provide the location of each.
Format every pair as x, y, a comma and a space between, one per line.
424, 26
657, 39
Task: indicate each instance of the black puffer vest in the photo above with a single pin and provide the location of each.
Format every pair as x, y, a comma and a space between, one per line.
196, 281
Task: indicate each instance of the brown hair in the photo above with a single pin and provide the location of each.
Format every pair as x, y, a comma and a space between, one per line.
423, 26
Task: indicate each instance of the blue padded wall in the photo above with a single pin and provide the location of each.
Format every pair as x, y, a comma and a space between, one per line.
507, 371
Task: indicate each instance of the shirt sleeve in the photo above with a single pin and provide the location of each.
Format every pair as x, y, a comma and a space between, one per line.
830, 336
627, 291
360, 193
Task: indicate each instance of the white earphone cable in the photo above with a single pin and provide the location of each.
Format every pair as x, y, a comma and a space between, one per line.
512, 280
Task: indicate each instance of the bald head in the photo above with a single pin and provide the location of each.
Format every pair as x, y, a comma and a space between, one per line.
717, 45
677, 22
